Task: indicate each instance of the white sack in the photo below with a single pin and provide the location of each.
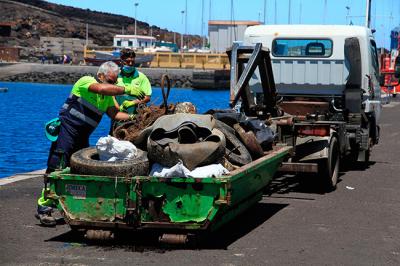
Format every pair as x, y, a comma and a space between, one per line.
212, 170
111, 149
179, 170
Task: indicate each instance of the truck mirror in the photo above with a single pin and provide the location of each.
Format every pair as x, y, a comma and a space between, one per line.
382, 80
397, 67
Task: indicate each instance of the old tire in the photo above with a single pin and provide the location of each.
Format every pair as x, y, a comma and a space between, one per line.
235, 151
86, 162
329, 167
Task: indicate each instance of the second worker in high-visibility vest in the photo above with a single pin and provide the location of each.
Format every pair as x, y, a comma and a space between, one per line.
131, 77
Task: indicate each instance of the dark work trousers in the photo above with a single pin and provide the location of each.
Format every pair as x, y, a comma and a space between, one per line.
70, 140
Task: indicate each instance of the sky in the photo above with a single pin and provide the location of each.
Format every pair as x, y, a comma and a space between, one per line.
168, 13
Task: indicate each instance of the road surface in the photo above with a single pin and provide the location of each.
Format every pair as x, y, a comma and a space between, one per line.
294, 224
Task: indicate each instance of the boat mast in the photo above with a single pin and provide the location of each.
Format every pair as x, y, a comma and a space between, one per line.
265, 11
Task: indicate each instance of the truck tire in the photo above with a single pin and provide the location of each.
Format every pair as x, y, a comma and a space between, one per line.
86, 162
329, 167
235, 151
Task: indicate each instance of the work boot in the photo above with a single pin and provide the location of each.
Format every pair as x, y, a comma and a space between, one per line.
44, 216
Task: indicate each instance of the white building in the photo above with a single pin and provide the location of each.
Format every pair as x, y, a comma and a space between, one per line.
133, 41
223, 33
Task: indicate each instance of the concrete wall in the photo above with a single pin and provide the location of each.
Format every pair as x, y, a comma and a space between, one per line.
59, 46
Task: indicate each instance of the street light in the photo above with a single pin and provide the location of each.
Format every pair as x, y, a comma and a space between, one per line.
347, 15
183, 13
136, 4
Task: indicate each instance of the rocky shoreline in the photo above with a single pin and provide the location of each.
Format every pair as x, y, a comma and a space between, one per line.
71, 78
69, 74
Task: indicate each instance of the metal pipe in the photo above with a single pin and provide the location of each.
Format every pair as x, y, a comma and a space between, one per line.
368, 14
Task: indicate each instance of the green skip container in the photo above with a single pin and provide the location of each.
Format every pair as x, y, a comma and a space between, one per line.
166, 204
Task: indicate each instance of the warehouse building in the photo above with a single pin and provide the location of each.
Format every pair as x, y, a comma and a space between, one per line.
223, 33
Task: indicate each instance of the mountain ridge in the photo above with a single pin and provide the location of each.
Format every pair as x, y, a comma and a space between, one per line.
32, 19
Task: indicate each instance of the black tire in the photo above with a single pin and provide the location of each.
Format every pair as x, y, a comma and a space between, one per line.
235, 151
329, 167
86, 162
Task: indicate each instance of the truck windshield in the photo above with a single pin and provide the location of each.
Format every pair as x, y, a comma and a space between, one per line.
302, 48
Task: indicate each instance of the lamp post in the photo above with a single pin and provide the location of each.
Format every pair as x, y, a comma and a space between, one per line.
183, 13
136, 5
186, 17
347, 15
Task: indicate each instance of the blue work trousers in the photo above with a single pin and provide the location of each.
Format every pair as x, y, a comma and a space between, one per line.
70, 139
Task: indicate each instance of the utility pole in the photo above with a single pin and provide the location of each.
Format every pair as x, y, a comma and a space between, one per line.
136, 5
276, 14
289, 15
368, 14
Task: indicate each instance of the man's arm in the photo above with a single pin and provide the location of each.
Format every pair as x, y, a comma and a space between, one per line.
106, 89
114, 114
146, 99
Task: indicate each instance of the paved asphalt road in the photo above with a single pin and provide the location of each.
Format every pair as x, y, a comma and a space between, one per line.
294, 224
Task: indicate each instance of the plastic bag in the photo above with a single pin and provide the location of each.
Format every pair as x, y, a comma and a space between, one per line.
111, 149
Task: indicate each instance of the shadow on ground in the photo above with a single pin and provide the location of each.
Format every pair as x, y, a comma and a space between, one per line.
310, 183
148, 241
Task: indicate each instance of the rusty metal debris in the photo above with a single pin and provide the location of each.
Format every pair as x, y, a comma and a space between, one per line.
99, 235
250, 141
175, 239
145, 117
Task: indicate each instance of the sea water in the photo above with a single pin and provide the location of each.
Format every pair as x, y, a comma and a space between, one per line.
26, 107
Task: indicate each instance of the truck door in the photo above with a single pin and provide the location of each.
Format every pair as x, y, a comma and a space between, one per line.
373, 76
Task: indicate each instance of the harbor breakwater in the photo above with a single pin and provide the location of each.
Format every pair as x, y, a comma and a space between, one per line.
69, 74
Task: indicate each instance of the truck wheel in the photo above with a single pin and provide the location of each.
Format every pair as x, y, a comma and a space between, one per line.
235, 151
86, 162
329, 167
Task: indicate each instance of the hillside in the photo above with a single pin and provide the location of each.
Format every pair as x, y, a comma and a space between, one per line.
34, 18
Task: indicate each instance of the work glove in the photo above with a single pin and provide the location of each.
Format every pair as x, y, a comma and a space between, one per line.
126, 105
134, 91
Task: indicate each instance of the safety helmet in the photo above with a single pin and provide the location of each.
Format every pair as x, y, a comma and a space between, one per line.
52, 128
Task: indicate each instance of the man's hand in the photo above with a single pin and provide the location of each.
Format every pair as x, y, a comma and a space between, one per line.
133, 91
127, 104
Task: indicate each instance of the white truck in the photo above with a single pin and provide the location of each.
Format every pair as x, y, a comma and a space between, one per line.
327, 92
